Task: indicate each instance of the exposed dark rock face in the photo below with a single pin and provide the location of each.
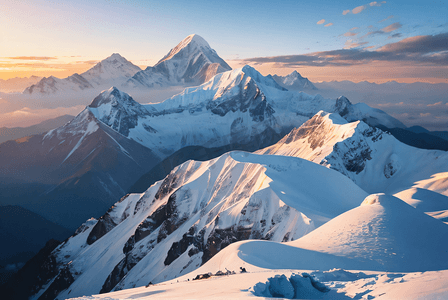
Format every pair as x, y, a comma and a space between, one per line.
165, 220
25, 283
124, 113
60, 283
250, 98
118, 273
105, 224
221, 238
342, 106
178, 248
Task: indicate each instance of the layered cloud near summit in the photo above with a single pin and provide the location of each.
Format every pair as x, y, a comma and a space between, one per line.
419, 57
426, 49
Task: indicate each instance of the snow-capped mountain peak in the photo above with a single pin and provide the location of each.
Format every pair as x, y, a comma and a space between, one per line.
192, 60
294, 74
117, 110
295, 81
190, 43
115, 57
112, 95
114, 68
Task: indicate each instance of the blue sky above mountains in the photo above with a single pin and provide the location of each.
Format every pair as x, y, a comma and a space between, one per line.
325, 40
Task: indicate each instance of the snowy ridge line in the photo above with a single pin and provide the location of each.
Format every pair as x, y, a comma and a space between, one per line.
208, 203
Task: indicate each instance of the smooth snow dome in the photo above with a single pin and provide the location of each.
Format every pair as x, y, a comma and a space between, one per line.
383, 234
386, 231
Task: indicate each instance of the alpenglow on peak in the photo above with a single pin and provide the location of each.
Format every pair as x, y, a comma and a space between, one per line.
193, 39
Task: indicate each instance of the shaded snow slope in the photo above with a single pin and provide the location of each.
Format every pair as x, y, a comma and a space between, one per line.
430, 202
373, 159
198, 209
387, 231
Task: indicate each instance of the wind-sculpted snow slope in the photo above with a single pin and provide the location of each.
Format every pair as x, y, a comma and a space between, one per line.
373, 159
179, 223
383, 234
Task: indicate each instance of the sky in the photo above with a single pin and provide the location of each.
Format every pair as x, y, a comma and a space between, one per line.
406, 41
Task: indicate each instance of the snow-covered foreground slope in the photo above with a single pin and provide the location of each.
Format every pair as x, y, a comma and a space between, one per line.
381, 235
373, 159
344, 285
201, 207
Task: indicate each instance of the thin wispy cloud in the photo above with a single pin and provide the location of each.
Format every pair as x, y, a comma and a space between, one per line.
87, 62
374, 3
352, 44
321, 22
360, 8
390, 104
385, 30
32, 58
388, 18
372, 33
329, 24
396, 35
392, 27
435, 104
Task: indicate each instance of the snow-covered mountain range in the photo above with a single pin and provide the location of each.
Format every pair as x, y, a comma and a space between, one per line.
111, 71
305, 190
235, 107
179, 223
191, 62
